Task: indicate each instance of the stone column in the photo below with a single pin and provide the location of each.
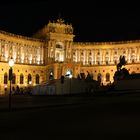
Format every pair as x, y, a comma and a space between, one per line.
38, 54
20, 52
70, 46
86, 57
130, 55
103, 55
126, 52
33, 54
137, 54
109, 59
54, 46
75, 55
2, 50
14, 51
92, 57
17, 50
78, 56
26, 54
119, 53
11, 48
6, 51
41, 55
112, 55
100, 56
49, 49
95, 56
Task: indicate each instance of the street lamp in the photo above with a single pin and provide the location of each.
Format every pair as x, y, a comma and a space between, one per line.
70, 76
11, 63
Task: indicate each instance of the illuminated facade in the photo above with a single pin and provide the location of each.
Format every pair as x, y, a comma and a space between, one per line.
52, 52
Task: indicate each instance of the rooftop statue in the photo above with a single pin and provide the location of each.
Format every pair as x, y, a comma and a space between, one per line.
60, 21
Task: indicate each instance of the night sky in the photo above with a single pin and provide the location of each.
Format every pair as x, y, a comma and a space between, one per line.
92, 21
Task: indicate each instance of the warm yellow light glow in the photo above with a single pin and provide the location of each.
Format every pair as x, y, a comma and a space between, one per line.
22, 58
38, 58
11, 62
68, 72
6, 56
5, 86
30, 61
6, 59
14, 55
30, 82
70, 76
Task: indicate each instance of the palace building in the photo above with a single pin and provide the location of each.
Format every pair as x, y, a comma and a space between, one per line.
52, 52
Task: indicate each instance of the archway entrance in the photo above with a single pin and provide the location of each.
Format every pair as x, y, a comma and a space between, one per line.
68, 73
51, 76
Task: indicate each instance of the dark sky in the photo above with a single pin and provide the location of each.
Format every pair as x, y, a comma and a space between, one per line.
92, 21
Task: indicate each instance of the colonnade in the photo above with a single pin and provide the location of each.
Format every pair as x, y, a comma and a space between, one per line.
21, 53
106, 56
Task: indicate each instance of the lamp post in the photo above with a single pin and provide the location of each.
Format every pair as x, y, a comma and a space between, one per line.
11, 63
70, 76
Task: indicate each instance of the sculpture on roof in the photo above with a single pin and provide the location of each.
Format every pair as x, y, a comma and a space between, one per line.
60, 21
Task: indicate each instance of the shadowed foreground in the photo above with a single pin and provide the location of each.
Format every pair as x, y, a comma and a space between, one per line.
115, 117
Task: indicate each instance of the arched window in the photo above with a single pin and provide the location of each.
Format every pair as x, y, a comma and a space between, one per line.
5, 78
37, 79
133, 58
51, 77
107, 77
14, 79
68, 73
133, 72
98, 60
115, 59
29, 79
99, 77
21, 78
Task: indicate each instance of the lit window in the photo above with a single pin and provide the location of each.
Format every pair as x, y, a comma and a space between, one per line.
5, 78
29, 78
21, 78
107, 77
37, 79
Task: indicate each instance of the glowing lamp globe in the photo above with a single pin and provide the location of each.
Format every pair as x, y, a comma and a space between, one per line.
70, 76
11, 62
